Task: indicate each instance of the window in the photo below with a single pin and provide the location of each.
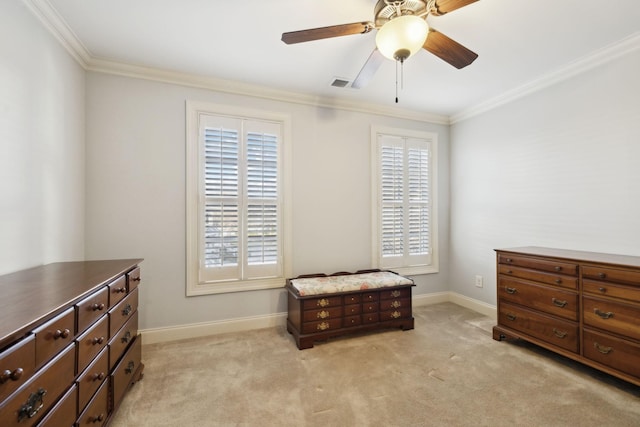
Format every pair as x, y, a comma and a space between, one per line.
404, 195
237, 221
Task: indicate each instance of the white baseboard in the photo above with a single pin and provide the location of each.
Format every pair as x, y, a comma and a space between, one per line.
196, 330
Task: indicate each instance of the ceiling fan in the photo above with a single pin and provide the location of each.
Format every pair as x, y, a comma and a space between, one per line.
402, 31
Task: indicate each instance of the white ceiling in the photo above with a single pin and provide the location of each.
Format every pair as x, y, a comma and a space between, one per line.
518, 42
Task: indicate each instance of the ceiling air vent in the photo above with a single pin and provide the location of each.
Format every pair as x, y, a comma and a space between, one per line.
338, 82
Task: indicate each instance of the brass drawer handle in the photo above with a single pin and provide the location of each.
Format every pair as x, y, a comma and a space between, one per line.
511, 290
323, 314
35, 402
323, 302
396, 314
11, 375
61, 334
602, 349
395, 294
558, 303
323, 326
602, 314
396, 304
511, 317
559, 333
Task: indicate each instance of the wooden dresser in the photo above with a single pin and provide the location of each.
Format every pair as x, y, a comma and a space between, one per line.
583, 305
321, 316
69, 343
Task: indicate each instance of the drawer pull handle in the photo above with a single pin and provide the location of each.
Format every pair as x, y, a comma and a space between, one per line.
602, 349
509, 271
121, 290
509, 260
396, 304
125, 339
136, 279
98, 419
97, 307
61, 334
557, 268
97, 340
396, 314
323, 326
11, 375
395, 294
35, 402
126, 310
511, 290
603, 290
558, 303
323, 302
607, 315
511, 317
558, 281
602, 275
97, 377
323, 314
129, 368
559, 333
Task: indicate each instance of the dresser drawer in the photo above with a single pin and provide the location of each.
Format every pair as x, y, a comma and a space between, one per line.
65, 411
17, 364
566, 268
613, 352
324, 325
548, 299
558, 332
91, 308
395, 293
560, 280
117, 290
133, 278
29, 403
92, 342
54, 335
612, 316
400, 313
611, 275
92, 377
98, 409
324, 302
123, 374
325, 313
122, 339
390, 304
119, 314
594, 287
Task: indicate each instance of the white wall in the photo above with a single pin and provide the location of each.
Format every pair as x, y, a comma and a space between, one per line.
41, 145
559, 168
136, 193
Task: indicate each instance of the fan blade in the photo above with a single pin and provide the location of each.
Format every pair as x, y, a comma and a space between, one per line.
368, 70
327, 32
448, 50
445, 6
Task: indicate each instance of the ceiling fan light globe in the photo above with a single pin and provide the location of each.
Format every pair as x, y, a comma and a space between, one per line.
404, 33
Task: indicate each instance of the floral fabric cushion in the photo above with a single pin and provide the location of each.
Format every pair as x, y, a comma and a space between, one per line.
345, 283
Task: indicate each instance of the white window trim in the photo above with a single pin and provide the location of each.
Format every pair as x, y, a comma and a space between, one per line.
432, 137
193, 285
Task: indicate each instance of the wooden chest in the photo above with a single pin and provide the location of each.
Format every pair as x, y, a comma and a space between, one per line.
331, 311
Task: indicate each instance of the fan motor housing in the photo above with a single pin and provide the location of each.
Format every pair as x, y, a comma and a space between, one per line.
387, 10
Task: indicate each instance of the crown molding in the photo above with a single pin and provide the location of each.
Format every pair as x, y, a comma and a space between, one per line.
582, 65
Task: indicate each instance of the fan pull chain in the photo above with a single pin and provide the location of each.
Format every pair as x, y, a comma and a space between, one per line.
401, 77
396, 82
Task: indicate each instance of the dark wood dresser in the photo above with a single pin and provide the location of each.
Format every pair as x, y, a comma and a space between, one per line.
583, 305
321, 316
69, 343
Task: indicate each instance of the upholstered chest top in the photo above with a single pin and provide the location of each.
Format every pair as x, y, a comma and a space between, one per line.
346, 283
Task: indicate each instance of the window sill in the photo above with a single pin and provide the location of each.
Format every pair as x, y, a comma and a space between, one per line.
208, 288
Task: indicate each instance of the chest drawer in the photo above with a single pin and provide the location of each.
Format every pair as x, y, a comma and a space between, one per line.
117, 290
324, 325
27, 405
594, 287
392, 304
17, 364
548, 299
96, 412
400, 313
123, 374
89, 381
352, 310
91, 308
325, 313
569, 269
324, 302
560, 280
119, 314
352, 299
561, 333
395, 293
122, 339
133, 279
613, 352
91, 342
611, 275
63, 414
612, 316
54, 335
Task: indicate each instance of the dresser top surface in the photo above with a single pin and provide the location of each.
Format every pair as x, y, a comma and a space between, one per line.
574, 255
32, 296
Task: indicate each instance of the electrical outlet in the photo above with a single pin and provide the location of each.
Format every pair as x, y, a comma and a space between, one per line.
478, 281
